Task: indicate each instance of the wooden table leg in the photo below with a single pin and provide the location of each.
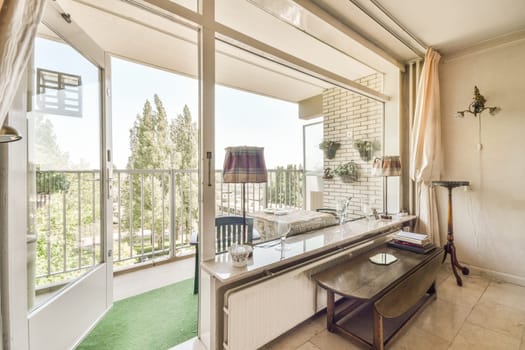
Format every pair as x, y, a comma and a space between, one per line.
379, 341
450, 249
330, 309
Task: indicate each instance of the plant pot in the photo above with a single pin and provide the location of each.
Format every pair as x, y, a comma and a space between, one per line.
365, 155
330, 153
348, 178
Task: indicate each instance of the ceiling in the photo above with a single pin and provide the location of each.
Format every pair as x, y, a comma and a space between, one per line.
353, 38
450, 26
131, 32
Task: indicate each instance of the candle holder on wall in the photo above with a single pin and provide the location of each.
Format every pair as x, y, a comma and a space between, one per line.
476, 107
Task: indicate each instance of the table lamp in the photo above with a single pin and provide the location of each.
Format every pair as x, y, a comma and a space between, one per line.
386, 166
244, 164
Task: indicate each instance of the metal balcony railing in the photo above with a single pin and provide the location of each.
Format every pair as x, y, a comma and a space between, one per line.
154, 213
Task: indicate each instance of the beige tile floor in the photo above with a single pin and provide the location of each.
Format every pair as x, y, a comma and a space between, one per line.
483, 314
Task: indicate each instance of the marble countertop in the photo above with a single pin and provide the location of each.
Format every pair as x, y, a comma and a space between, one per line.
267, 257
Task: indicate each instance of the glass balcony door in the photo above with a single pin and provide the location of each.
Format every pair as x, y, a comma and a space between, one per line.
69, 253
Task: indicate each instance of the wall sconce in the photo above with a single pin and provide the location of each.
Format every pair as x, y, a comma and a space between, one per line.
9, 134
477, 106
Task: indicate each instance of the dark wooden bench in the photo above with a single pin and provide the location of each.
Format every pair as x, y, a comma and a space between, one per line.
378, 300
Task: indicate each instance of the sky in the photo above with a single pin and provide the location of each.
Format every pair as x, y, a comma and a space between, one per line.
78, 136
241, 118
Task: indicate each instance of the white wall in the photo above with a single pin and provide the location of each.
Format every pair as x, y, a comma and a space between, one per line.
489, 222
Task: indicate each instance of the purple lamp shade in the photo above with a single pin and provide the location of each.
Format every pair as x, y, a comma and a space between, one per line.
244, 164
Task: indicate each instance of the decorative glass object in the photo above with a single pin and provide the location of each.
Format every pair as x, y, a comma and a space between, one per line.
240, 254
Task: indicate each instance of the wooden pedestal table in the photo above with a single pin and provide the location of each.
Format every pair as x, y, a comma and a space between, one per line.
450, 248
378, 299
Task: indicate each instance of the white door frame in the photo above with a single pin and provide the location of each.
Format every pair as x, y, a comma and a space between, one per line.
92, 294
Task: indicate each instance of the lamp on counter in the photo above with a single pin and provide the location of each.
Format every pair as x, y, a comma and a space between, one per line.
386, 166
9, 134
244, 164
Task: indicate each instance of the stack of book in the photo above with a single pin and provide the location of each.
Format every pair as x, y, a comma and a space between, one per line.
415, 242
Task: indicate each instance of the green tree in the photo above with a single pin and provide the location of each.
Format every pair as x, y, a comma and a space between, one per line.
47, 152
47, 155
286, 188
149, 138
143, 196
183, 133
161, 145
66, 228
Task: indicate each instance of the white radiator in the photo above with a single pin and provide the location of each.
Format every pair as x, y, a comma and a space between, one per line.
255, 315
258, 313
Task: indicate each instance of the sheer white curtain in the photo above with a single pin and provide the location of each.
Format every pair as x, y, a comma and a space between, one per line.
18, 23
426, 154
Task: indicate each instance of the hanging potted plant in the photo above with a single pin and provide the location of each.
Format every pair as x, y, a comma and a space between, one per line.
329, 148
366, 149
347, 171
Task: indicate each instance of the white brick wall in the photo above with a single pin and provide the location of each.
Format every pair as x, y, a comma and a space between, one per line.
349, 117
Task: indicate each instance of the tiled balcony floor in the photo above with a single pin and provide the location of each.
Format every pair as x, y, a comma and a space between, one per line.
140, 281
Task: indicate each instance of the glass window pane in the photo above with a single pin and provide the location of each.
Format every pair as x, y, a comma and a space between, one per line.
155, 114
265, 104
64, 167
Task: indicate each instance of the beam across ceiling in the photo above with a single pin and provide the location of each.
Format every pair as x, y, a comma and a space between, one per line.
246, 42
322, 25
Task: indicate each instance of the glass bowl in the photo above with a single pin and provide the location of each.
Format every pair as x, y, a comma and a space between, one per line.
240, 254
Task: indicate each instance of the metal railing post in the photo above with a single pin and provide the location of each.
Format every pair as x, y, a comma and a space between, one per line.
64, 228
172, 216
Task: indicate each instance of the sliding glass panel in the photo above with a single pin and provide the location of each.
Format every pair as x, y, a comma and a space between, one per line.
257, 104
155, 94
155, 190
265, 104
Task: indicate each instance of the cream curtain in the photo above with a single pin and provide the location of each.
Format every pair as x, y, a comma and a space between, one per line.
425, 146
18, 23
